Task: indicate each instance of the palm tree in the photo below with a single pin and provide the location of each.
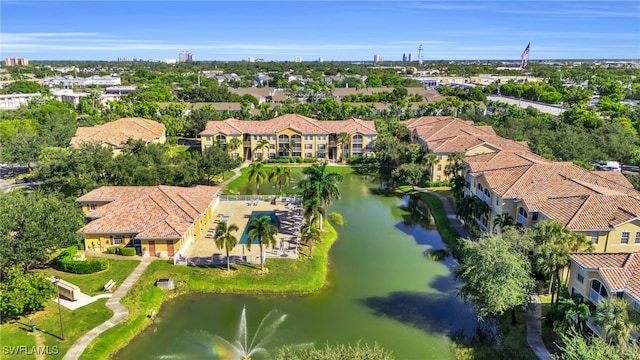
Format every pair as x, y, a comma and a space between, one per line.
574, 313
554, 244
257, 174
458, 183
281, 175
613, 315
431, 160
290, 147
225, 239
309, 237
234, 144
342, 139
262, 145
262, 230
502, 221
313, 209
454, 163
321, 185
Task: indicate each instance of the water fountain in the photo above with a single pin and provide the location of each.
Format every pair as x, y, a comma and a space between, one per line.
241, 348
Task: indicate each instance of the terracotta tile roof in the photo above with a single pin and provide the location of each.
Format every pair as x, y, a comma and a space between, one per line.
149, 211
448, 134
580, 199
620, 271
119, 131
299, 123
501, 159
615, 176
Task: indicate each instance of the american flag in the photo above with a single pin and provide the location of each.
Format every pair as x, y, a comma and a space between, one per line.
526, 51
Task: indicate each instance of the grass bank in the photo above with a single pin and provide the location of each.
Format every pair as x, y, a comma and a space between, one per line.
296, 172
282, 276
92, 284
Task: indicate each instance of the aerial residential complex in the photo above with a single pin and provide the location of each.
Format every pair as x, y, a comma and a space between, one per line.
292, 135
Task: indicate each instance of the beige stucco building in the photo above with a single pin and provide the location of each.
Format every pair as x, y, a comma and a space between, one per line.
156, 220
291, 135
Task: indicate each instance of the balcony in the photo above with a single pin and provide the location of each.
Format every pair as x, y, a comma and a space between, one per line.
594, 296
332, 143
522, 220
246, 143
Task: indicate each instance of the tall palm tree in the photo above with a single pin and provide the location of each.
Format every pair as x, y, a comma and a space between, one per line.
613, 315
234, 144
458, 183
554, 244
262, 230
320, 184
502, 221
225, 239
311, 236
313, 209
258, 174
281, 176
575, 313
291, 146
264, 146
454, 163
342, 139
431, 160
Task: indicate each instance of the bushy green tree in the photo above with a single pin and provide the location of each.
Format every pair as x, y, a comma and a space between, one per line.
22, 292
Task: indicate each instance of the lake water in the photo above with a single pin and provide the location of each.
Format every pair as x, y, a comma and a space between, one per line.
381, 288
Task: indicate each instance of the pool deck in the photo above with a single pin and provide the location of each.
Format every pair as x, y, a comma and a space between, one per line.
204, 251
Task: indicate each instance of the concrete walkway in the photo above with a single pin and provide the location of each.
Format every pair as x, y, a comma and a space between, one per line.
451, 214
120, 312
534, 329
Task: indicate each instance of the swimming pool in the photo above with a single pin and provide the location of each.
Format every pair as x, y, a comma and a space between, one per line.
258, 214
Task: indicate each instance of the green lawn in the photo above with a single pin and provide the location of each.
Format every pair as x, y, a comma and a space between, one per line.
296, 173
92, 284
76, 323
177, 149
300, 276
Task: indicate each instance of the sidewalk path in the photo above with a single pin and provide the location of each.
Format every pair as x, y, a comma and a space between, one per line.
451, 214
120, 313
534, 329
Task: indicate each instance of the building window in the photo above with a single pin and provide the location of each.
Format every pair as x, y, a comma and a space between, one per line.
117, 240
308, 155
255, 137
439, 167
272, 146
437, 177
497, 198
636, 306
208, 138
595, 236
308, 146
580, 276
534, 216
321, 147
637, 237
320, 155
624, 239
92, 207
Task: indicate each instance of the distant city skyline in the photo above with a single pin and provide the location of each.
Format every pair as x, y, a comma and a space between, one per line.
331, 30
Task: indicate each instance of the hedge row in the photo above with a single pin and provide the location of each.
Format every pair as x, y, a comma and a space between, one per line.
66, 262
363, 160
292, 160
121, 250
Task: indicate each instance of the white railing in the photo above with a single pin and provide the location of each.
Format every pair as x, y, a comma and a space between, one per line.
594, 296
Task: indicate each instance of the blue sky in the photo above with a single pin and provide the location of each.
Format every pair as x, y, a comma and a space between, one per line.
333, 30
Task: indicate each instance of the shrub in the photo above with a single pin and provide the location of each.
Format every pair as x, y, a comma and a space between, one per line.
336, 218
437, 255
116, 249
128, 251
311, 160
65, 262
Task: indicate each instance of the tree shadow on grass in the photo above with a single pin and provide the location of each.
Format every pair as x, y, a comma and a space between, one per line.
432, 313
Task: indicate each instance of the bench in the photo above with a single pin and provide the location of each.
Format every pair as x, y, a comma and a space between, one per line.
110, 285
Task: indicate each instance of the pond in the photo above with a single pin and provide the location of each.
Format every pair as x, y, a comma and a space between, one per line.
381, 288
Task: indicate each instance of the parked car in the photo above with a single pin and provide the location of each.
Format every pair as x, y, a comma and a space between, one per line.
608, 166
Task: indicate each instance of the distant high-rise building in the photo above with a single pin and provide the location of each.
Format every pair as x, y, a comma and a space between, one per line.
252, 59
298, 59
186, 56
404, 58
377, 59
320, 60
16, 61
410, 57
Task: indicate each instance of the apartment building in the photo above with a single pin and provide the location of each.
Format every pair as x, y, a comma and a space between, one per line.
601, 205
291, 135
444, 135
